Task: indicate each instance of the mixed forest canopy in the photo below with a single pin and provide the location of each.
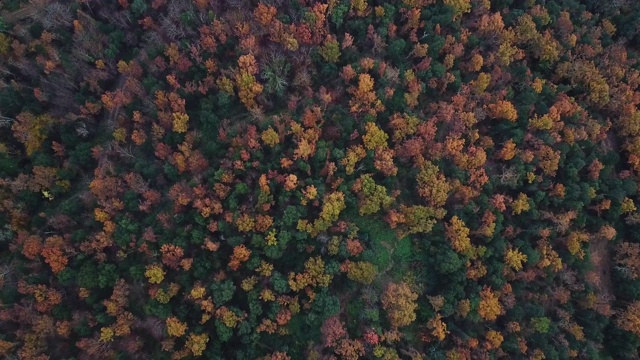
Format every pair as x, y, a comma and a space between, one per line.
341, 179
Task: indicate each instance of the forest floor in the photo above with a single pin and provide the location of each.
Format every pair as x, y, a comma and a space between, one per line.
602, 262
600, 254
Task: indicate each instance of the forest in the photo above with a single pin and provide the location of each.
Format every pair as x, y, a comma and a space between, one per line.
319, 179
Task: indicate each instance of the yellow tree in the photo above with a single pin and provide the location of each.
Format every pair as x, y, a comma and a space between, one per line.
30, 130
399, 301
313, 275
459, 7
521, 204
489, 307
432, 185
197, 343
354, 154
438, 327
364, 99
175, 327
248, 86
180, 122
420, 219
503, 109
514, 258
362, 272
494, 339
372, 196
374, 137
458, 235
548, 160
508, 151
574, 243
331, 208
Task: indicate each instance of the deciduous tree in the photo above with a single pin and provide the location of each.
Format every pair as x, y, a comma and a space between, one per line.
398, 300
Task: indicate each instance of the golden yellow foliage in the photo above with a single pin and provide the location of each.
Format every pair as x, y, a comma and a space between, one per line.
180, 122
30, 130
265, 269
175, 327
494, 339
549, 256
332, 205
106, 334
120, 134
245, 223
507, 52
521, 204
267, 295
577, 331
607, 26
314, 275
438, 327
481, 83
359, 7
463, 308
374, 137
489, 307
372, 197
4, 44
364, 98
574, 243
537, 85
249, 283
459, 7
508, 151
330, 51
398, 300
248, 88
432, 185
627, 206
503, 109
197, 343
458, 235
354, 154
271, 239
362, 272
270, 137
310, 193
198, 292
228, 317
514, 258
476, 62
420, 219
154, 274
100, 215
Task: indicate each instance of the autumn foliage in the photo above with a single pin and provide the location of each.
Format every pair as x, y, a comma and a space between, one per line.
353, 179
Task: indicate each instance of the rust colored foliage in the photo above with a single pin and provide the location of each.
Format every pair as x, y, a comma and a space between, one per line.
206, 179
54, 254
333, 331
240, 255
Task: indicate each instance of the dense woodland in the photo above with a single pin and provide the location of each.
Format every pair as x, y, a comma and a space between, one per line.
350, 179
